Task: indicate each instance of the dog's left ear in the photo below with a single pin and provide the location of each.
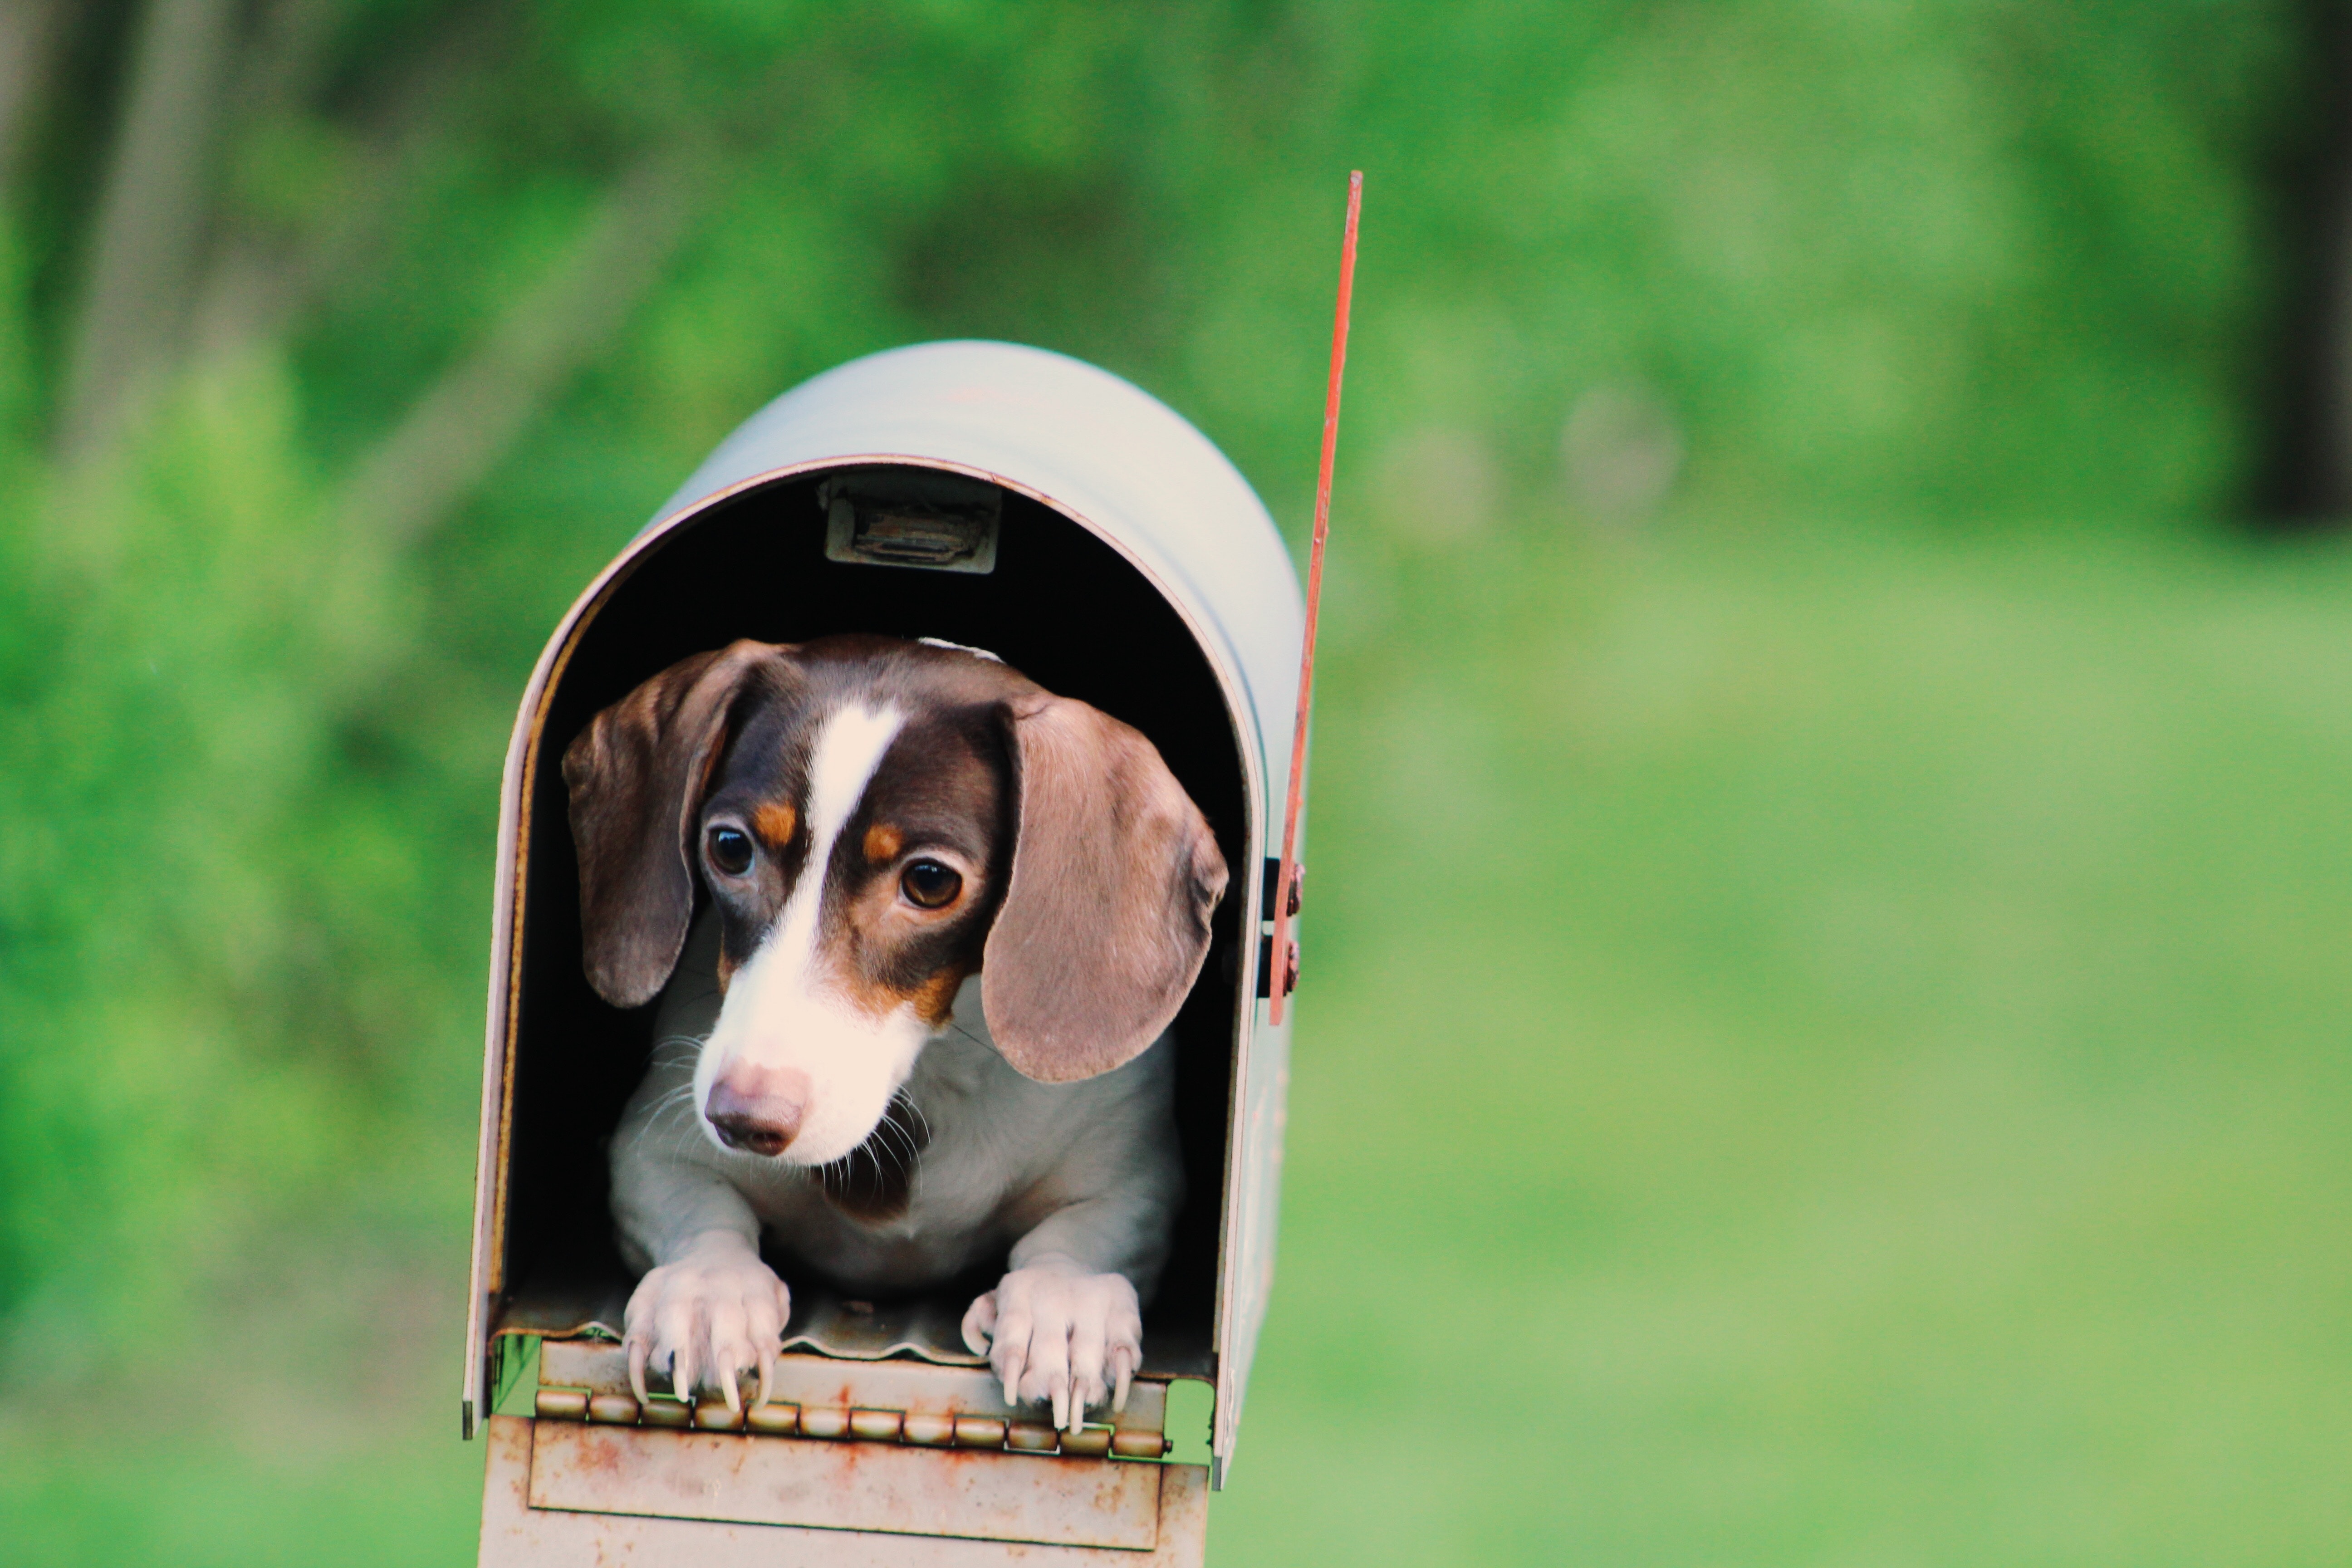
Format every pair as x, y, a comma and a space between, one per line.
637, 775
1105, 918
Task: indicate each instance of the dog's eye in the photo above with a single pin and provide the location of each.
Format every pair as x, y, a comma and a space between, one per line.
730, 850
929, 885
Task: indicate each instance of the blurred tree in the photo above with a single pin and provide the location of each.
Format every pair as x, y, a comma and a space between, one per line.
2306, 479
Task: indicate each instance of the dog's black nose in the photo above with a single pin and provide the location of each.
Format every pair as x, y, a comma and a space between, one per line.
758, 1110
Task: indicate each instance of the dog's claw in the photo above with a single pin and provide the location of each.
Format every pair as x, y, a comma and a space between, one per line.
980, 1325
1062, 1336
1123, 1367
710, 1316
1014, 1364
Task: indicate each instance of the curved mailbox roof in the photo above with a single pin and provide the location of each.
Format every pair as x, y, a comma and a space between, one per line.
1094, 446
1133, 472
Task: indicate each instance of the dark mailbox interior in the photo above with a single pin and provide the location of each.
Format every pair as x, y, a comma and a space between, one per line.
1061, 607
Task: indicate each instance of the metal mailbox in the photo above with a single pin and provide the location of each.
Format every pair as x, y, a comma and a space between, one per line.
984, 494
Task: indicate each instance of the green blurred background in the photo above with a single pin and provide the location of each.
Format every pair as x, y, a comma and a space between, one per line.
1823, 1033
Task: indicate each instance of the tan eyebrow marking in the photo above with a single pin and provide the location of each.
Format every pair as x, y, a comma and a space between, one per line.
775, 822
883, 842
934, 999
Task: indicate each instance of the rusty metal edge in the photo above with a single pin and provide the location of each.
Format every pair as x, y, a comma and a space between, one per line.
514, 806
503, 1012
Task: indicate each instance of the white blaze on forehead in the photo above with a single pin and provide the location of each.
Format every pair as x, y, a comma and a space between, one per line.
848, 749
780, 1011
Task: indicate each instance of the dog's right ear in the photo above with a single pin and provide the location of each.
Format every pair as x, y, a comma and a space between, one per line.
637, 776
1105, 918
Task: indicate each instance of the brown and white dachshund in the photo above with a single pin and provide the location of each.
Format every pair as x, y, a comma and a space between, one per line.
920, 1022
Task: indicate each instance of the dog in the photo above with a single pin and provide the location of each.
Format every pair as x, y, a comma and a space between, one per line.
921, 1022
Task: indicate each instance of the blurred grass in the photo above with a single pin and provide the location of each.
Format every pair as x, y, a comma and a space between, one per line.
1814, 1051
1830, 1052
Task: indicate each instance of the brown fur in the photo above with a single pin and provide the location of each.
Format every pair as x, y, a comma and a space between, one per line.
1106, 917
775, 822
637, 776
934, 999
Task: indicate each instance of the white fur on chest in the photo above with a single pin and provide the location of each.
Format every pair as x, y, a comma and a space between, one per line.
1003, 1154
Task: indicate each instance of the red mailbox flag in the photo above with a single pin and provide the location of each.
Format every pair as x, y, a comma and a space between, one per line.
1286, 884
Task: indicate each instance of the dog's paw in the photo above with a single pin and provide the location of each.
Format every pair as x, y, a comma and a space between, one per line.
715, 1313
1060, 1333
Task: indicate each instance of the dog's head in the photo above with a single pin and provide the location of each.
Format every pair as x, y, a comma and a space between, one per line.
875, 821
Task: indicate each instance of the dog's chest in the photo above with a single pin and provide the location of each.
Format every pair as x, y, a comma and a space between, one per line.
998, 1152
991, 1147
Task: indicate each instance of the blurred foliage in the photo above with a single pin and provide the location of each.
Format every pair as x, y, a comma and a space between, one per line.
286, 508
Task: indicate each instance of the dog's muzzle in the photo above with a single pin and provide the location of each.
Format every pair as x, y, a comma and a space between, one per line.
758, 1110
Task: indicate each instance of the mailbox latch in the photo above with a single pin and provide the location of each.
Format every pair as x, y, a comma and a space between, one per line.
911, 517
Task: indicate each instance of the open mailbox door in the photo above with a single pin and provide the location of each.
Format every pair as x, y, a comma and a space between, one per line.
1000, 498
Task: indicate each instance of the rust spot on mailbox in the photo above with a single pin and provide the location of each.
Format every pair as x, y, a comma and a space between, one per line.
879, 1486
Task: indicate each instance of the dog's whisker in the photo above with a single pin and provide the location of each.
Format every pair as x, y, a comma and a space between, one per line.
662, 1110
681, 1095
903, 1100
644, 1131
